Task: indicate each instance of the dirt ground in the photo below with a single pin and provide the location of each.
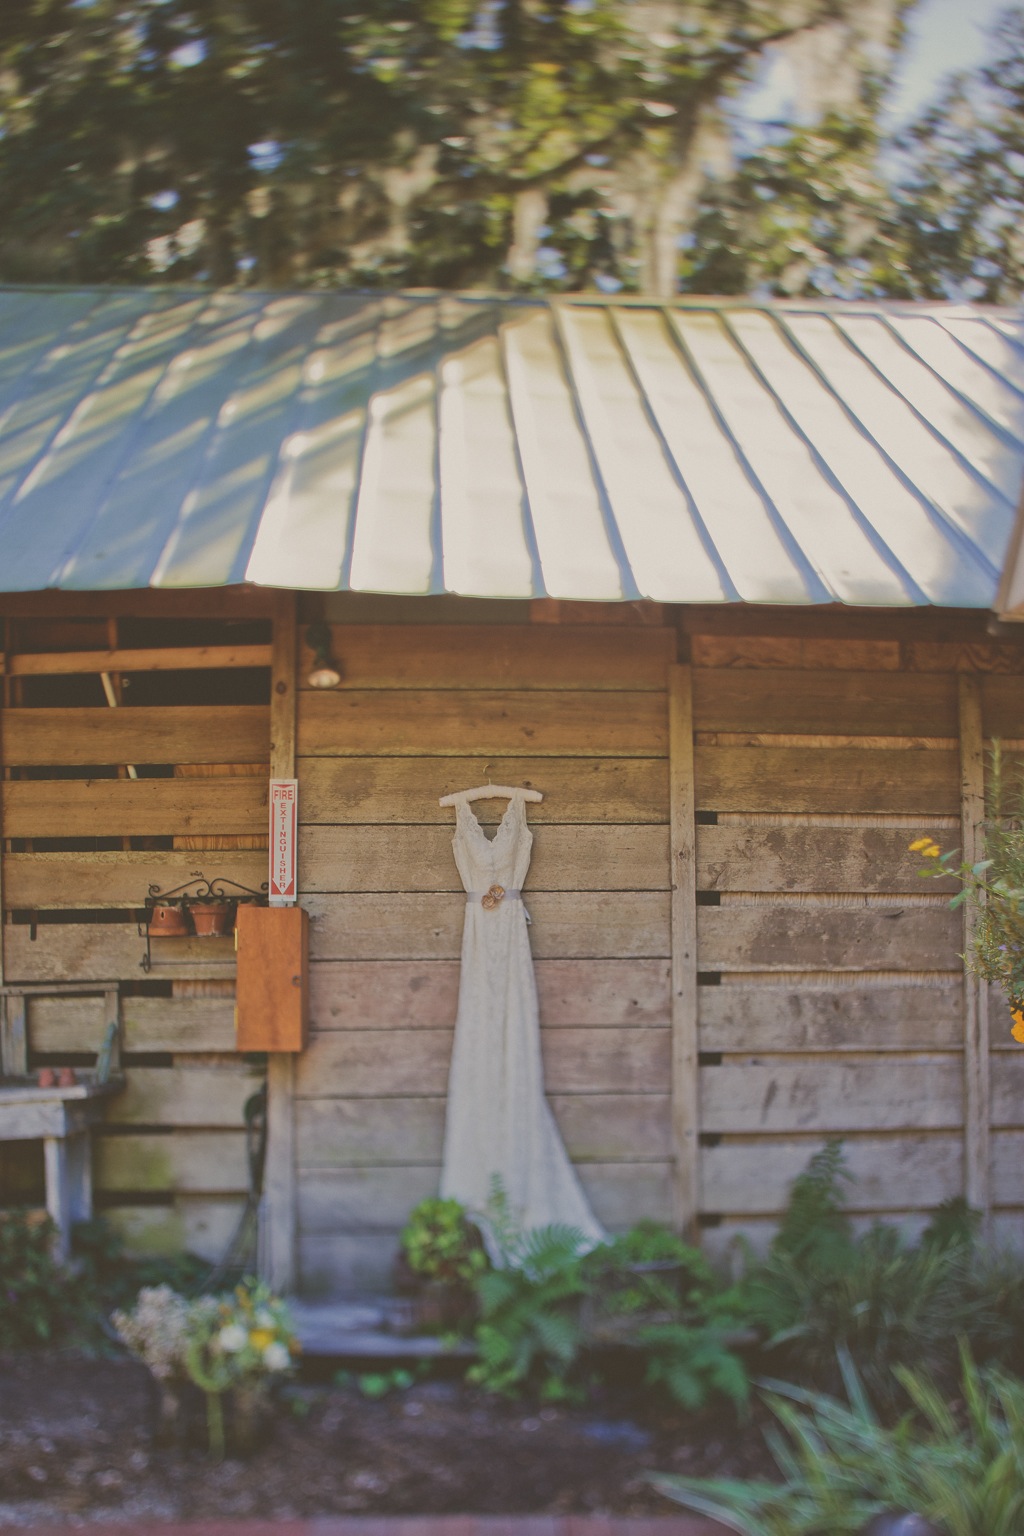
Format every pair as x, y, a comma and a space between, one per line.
77, 1443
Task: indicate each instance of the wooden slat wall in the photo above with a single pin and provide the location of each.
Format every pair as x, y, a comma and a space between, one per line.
581, 714
169, 1164
832, 997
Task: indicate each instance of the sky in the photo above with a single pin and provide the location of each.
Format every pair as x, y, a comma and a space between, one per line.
945, 35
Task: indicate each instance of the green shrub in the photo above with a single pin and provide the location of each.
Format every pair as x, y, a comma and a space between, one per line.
530, 1328
440, 1242
37, 1298
551, 1311
840, 1466
884, 1301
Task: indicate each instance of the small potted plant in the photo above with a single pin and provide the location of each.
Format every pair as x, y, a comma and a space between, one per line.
440, 1259
167, 920
211, 916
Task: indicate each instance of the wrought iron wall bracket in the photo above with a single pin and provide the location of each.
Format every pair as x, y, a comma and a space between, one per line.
199, 889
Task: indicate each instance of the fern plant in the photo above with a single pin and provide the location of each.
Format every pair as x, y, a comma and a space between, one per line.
840, 1466
530, 1328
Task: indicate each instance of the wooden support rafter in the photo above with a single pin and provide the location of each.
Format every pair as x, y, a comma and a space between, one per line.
280, 1194
685, 1102
977, 1136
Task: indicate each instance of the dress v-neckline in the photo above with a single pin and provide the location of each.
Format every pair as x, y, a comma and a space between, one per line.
490, 841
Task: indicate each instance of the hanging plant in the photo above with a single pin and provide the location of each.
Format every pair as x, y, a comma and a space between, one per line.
995, 886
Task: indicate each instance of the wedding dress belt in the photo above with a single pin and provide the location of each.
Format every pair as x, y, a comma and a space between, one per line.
493, 896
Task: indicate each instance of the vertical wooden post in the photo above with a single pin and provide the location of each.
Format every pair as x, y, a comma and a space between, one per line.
279, 1256
977, 1178
685, 1104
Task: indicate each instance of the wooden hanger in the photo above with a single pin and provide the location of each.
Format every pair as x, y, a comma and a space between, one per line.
489, 792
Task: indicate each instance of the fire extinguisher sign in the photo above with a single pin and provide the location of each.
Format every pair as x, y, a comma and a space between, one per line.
284, 808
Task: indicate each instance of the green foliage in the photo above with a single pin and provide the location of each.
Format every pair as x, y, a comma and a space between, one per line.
530, 1317
814, 1225
839, 1465
993, 885
552, 1307
378, 1384
443, 143
37, 1299
882, 1300
441, 1243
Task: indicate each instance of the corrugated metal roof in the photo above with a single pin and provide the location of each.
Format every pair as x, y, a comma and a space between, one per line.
700, 451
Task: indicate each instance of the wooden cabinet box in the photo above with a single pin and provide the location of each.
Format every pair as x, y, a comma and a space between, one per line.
272, 989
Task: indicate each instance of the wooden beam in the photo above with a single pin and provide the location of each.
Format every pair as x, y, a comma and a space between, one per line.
239, 602
280, 1199
171, 658
685, 1106
977, 1119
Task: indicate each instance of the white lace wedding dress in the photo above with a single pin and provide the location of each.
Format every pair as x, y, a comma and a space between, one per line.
498, 1120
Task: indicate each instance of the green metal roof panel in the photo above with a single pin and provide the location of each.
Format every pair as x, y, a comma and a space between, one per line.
699, 451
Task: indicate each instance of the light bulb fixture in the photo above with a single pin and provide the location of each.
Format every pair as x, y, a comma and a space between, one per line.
324, 673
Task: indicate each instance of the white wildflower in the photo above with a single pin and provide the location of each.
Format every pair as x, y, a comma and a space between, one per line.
276, 1357
232, 1338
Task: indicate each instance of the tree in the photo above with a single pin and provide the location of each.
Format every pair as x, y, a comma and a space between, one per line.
509, 143
961, 198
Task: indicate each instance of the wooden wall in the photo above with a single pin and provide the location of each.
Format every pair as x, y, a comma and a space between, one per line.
579, 713
830, 993
831, 996
85, 835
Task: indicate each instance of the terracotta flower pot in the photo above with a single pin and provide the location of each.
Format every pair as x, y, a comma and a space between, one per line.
211, 919
167, 922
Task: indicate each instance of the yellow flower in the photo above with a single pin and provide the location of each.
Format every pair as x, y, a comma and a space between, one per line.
261, 1337
932, 852
1018, 1026
922, 842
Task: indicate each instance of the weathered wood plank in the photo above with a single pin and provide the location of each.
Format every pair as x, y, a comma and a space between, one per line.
338, 1133
1007, 1090
199, 1224
581, 858
742, 1018
403, 926
171, 658
919, 781
685, 1101
454, 723
793, 651
789, 938
794, 858
383, 790
236, 602
832, 1096
961, 656
747, 1178
188, 1096
227, 733
189, 1025
188, 1162
1003, 706
1008, 1168
423, 994
118, 879
414, 1063
353, 1263
135, 808
499, 656
107, 952
380, 1199
853, 703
